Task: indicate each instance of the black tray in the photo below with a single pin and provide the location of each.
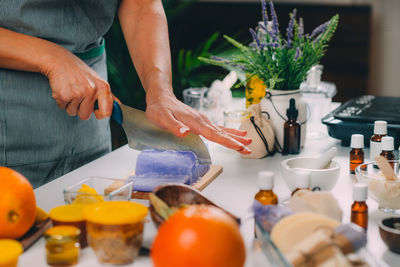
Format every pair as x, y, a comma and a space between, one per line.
357, 116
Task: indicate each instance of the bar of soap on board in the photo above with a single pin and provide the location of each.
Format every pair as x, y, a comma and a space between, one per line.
147, 183
170, 163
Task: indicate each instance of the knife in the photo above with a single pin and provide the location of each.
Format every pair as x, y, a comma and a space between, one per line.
143, 134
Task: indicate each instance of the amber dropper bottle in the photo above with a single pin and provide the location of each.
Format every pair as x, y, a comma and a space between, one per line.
303, 179
266, 182
291, 130
357, 152
359, 209
380, 130
388, 148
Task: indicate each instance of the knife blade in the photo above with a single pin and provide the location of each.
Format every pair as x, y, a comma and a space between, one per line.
143, 134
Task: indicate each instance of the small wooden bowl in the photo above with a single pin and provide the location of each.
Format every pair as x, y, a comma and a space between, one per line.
176, 195
390, 234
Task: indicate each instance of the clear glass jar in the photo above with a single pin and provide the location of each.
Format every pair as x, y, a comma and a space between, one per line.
115, 244
62, 245
234, 118
73, 215
115, 230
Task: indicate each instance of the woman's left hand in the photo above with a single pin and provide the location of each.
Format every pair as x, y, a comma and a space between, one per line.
171, 114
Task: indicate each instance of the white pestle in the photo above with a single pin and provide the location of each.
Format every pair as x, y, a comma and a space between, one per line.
323, 161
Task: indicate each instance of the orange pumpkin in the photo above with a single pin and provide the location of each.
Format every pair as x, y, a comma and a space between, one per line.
17, 204
198, 236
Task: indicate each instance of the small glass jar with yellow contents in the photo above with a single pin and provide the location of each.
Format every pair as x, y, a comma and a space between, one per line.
62, 245
10, 250
71, 215
115, 230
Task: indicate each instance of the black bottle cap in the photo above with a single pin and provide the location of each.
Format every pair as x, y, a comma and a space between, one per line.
292, 112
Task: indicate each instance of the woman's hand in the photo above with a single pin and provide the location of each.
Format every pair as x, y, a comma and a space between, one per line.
76, 87
171, 114
74, 84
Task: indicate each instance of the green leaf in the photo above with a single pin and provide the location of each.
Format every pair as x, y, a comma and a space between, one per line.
188, 61
330, 30
180, 63
209, 43
241, 47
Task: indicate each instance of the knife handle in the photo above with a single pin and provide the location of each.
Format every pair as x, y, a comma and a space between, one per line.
116, 111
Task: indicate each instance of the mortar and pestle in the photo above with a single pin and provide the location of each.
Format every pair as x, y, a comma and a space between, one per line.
324, 172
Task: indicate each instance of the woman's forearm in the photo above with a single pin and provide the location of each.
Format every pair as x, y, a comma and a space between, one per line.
23, 52
75, 86
146, 33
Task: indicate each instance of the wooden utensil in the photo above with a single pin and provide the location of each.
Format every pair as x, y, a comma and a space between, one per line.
386, 168
202, 183
178, 195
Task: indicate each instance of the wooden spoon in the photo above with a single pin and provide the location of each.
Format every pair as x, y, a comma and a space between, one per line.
386, 168
178, 195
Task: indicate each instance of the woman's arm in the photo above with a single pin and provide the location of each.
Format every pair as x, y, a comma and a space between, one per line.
145, 29
75, 86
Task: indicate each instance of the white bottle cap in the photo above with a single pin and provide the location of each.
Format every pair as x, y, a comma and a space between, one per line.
357, 141
302, 179
360, 192
380, 127
266, 180
387, 143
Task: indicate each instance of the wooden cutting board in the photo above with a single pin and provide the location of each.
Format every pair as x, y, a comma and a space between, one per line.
202, 183
34, 234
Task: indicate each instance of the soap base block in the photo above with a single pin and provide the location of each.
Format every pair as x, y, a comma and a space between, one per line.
202, 183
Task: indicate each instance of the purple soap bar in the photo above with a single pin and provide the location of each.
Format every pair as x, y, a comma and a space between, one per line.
170, 163
354, 234
149, 182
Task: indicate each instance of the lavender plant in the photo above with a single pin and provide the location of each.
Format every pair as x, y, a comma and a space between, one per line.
281, 62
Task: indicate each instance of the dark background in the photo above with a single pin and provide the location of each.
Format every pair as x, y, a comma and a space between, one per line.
191, 24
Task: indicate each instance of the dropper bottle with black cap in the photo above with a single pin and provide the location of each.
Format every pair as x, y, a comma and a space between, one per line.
291, 130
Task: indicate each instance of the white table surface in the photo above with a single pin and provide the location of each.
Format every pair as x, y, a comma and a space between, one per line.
233, 190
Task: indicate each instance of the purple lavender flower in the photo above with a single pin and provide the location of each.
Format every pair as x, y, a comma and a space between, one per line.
301, 28
275, 38
321, 28
290, 28
264, 45
239, 66
220, 59
298, 52
255, 37
275, 24
264, 12
253, 45
227, 62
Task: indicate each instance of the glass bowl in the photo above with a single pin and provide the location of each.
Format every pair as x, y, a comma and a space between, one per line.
98, 189
385, 193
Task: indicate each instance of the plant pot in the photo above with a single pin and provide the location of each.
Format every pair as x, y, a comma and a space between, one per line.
276, 102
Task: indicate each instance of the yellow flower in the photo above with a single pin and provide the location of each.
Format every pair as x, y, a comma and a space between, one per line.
255, 90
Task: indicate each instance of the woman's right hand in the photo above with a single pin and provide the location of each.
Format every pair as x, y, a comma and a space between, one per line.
75, 86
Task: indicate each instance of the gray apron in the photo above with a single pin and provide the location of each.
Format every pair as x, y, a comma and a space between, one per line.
36, 137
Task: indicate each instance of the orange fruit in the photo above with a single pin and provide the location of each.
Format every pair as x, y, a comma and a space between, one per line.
17, 204
198, 236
